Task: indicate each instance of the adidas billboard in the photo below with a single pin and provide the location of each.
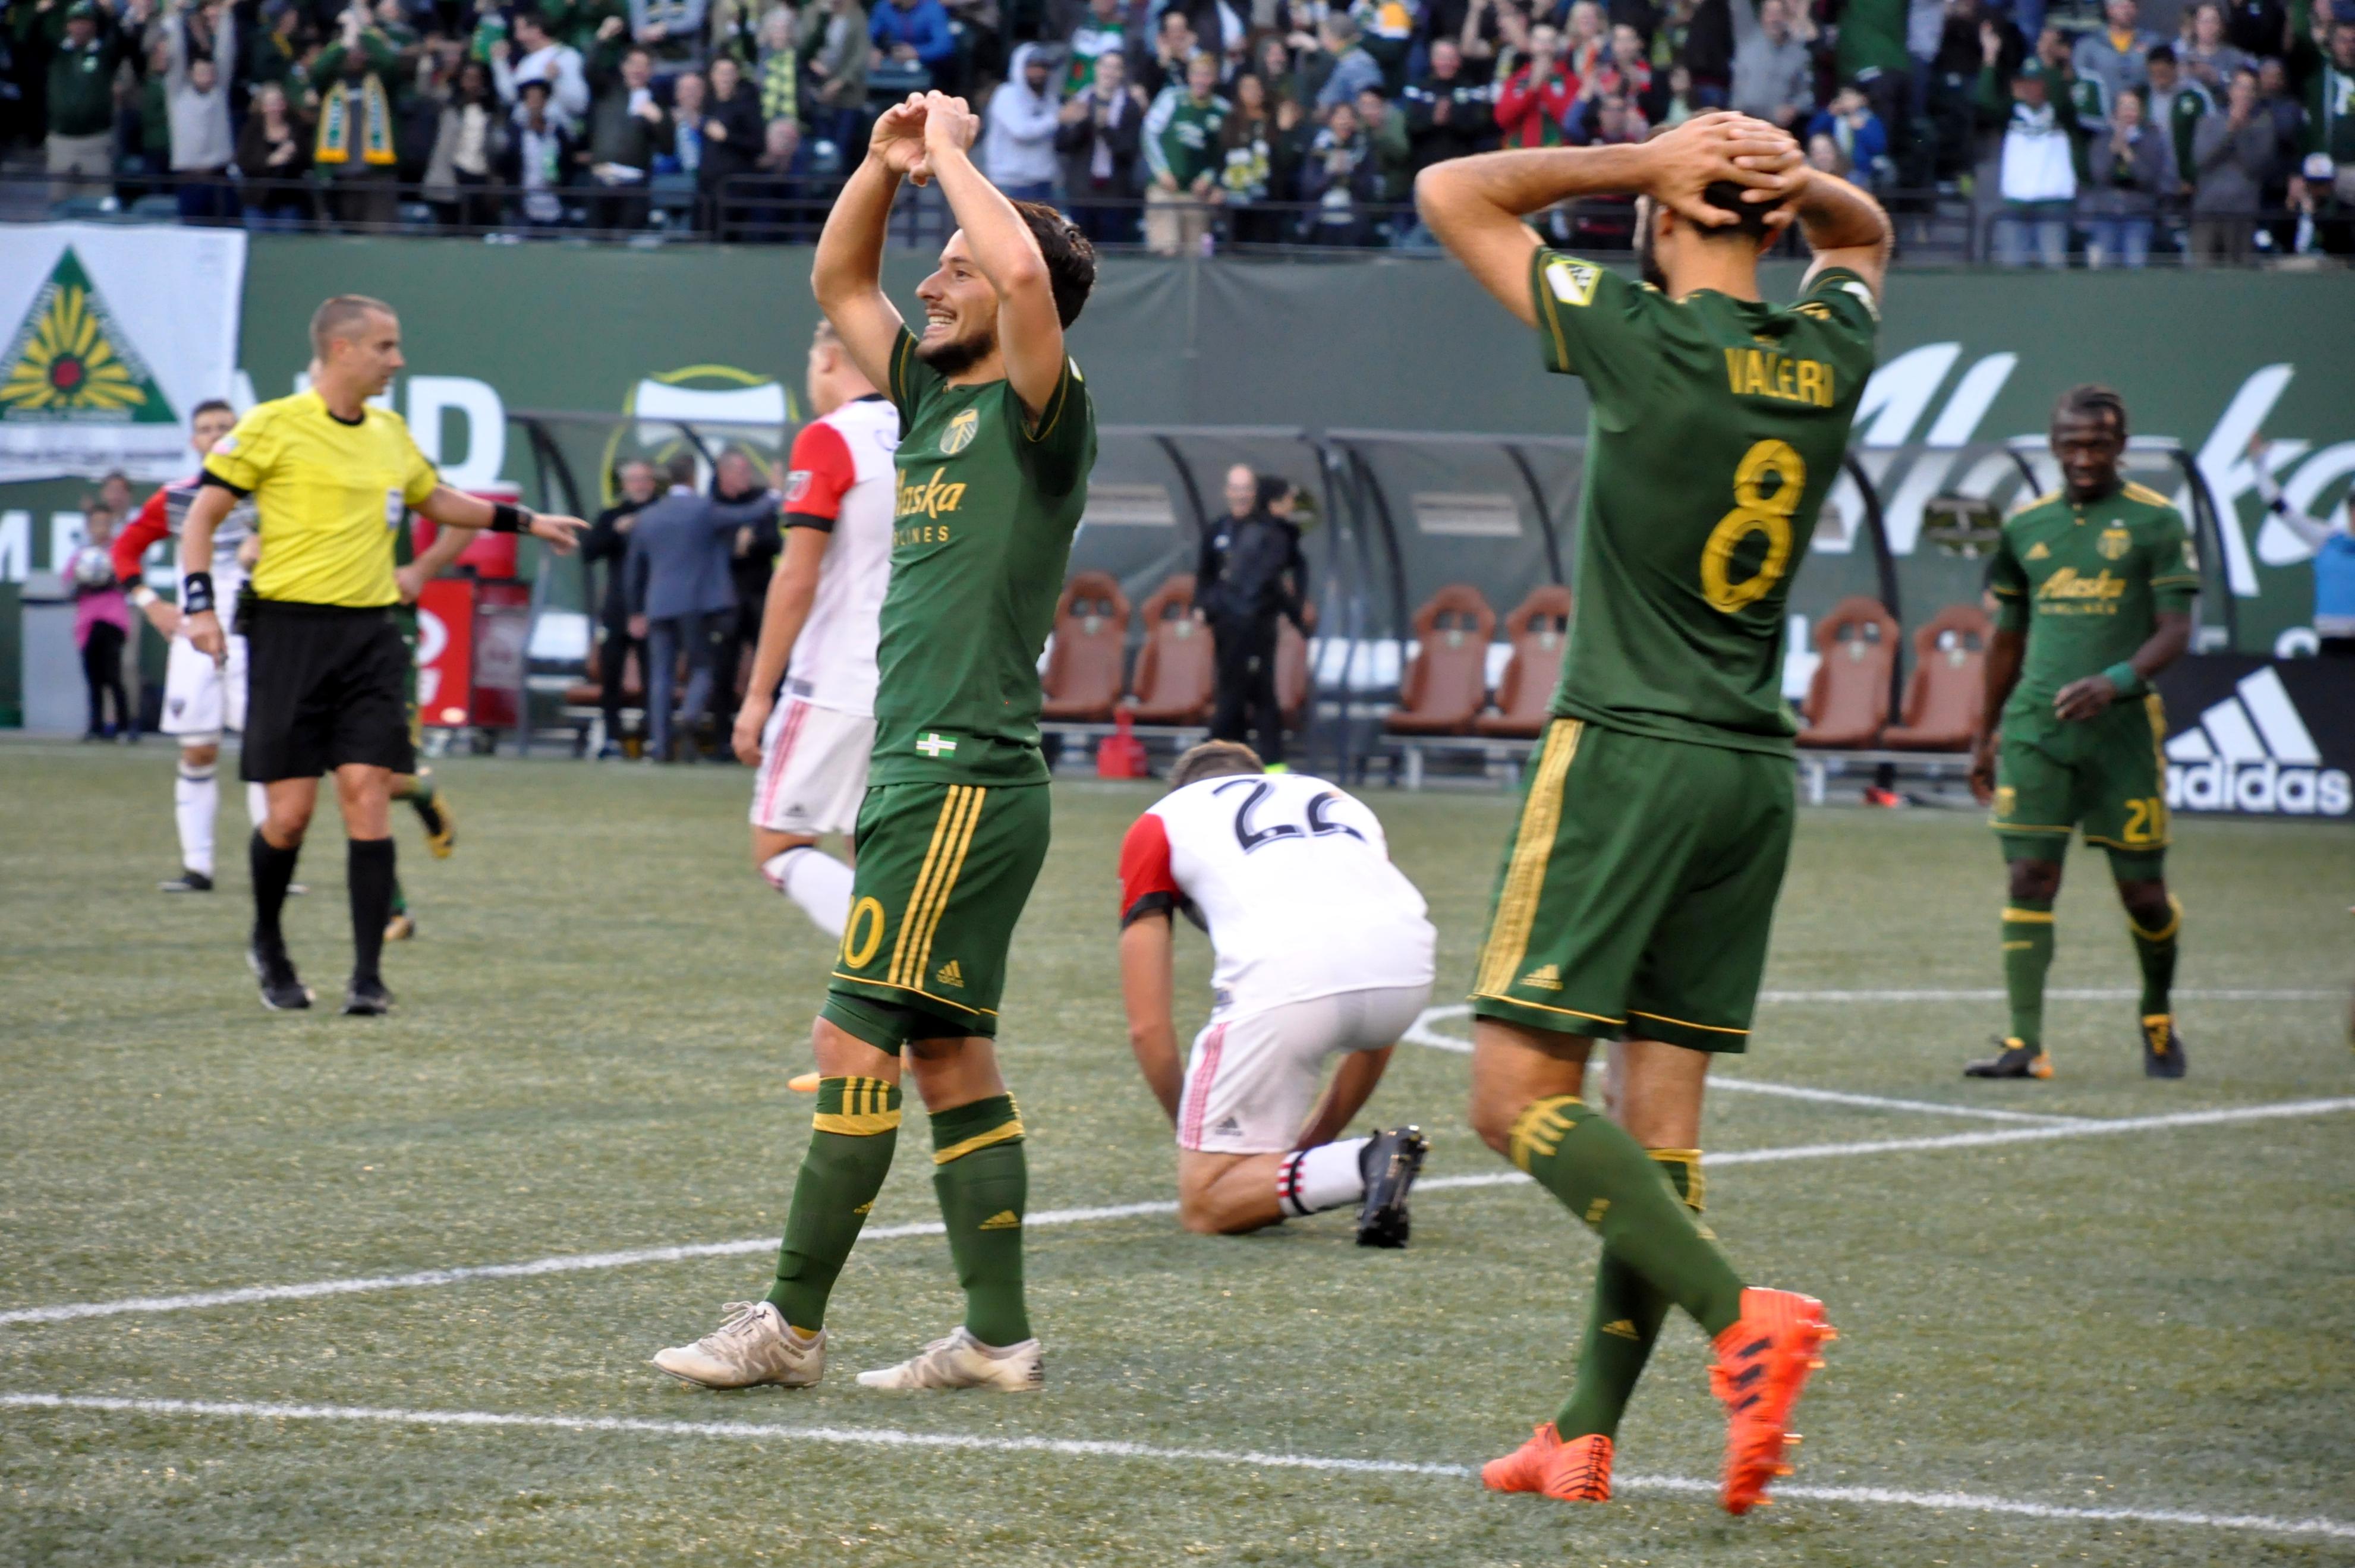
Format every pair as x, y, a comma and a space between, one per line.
2257, 738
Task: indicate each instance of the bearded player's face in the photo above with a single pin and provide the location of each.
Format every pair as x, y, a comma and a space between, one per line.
960, 312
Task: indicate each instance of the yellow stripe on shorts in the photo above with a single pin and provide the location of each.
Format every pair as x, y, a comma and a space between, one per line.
948, 886
944, 831
1517, 905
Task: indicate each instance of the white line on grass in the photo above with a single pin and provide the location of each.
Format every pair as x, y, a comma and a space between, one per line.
2097, 994
889, 1437
578, 1262
1420, 1033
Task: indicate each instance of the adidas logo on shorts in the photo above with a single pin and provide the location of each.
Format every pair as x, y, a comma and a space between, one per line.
1544, 977
950, 974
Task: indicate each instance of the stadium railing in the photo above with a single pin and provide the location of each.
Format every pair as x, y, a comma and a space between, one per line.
1935, 227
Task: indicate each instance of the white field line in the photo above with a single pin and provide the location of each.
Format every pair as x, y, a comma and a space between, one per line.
2097, 994
578, 1262
889, 1437
1420, 1033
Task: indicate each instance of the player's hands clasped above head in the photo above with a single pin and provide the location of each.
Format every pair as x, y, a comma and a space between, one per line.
907, 135
950, 124
1723, 148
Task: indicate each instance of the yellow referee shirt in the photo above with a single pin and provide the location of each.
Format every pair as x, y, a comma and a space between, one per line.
330, 497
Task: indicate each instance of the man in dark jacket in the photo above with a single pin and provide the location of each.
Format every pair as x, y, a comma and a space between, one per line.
735, 482
83, 51
732, 137
1099, 138
627, 127
608, 540
1448, 115
1251, 572
682, 600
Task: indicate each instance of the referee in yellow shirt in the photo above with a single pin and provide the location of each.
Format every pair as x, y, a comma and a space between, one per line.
332, 478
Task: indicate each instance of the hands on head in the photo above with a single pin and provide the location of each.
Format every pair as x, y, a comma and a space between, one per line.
1723, 148
909, 135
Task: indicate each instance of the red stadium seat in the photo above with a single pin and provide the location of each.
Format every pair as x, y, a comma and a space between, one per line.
1446, 682
1947, 694
1176, 675
1088, 660
1848, 700
1539, 629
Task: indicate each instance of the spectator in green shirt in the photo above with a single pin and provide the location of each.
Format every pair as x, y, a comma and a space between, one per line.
83, 48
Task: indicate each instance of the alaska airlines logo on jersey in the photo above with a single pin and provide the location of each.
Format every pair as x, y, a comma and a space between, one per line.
2069, 584
1763, 373
961, 432
1573, 282
932, 499
2114, 543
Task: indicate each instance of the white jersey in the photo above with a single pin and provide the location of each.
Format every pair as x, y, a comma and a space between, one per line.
162, 517
842, 480
1292, 878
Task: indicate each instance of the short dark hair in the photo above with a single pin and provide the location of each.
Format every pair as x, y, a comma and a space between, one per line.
678, 468
1071, 259
1726, 196
207, 406
2160, 54
2092, 400
1214, 759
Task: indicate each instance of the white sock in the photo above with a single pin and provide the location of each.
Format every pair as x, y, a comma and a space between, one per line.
818, 882
1326, 1177
257, 804
196, 795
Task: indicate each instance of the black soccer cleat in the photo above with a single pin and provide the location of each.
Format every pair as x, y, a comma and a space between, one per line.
1389, 1162
2162, 1047
186, 882
2011, 1060
366, 998
283, 990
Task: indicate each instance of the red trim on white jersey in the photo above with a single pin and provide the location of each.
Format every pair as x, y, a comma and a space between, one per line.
1146, 882
822, 471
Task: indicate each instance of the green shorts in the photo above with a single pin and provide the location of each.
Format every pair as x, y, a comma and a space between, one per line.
1638, 889
944, 871
2107, 777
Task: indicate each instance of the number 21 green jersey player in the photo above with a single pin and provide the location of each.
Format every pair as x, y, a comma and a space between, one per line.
2095, 585
998, 435
1638, 888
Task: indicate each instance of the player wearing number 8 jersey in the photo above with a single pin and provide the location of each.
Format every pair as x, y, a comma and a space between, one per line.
1639, 881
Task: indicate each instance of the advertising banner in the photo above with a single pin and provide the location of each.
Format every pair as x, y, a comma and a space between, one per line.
114, 333
2255, 737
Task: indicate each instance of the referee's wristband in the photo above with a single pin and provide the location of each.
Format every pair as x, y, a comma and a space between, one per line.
196, 593
2122, 676
507, 519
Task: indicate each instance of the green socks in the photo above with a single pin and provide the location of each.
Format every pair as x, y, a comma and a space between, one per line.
2027, 954
855, 1129
1622, 1321
1604, 1177
984, 1182
2156, 952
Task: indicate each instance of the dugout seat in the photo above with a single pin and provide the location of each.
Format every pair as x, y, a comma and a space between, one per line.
1088, 660
1539, 629
1946, 692
1292, 685
1447, 682
1847, 699
1177, 674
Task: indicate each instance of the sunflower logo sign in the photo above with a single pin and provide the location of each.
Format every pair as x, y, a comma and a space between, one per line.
110, 336
71, 360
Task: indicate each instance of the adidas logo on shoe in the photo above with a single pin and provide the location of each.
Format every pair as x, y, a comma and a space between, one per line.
1544, 977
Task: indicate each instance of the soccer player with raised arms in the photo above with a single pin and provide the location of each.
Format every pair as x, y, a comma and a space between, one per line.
997, 437
1639, 885
2095, 585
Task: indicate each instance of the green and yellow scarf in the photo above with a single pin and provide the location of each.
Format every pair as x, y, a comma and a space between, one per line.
334, 146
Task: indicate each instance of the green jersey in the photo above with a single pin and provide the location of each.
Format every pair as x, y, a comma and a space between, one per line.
2086, 581
1718, 427
988, 500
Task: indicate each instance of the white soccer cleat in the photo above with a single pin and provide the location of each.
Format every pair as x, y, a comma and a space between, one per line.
963, 1362
752, 1346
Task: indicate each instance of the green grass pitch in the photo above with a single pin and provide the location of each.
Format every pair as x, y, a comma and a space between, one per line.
595, 1030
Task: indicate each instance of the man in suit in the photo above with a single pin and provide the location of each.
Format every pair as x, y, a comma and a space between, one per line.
682, 597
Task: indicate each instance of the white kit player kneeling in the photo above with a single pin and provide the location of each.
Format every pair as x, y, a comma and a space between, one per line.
1321, 949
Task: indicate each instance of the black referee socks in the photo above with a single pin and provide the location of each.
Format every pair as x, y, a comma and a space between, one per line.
369, 872
273, 873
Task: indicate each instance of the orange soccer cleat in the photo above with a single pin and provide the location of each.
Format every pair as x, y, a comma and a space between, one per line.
1578, 1471
1762, 1363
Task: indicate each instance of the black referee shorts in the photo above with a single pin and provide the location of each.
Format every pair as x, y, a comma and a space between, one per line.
325, 684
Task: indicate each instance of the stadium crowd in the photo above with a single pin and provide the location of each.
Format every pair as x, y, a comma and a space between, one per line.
2210, 128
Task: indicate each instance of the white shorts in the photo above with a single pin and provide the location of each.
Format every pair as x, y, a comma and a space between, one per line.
1253, 1079
813, 769
202, 699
